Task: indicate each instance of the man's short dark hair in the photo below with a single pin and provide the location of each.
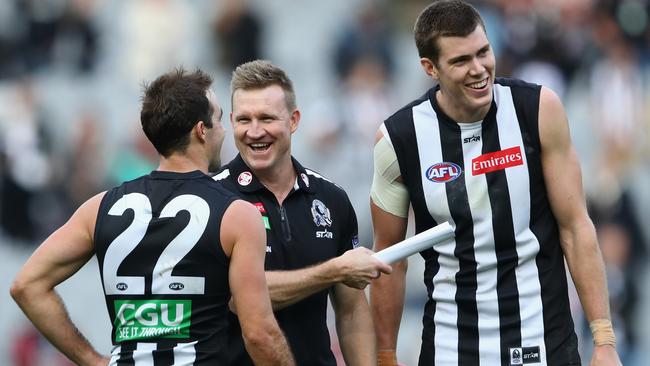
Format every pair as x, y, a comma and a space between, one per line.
444, 18
171, 106
260, 74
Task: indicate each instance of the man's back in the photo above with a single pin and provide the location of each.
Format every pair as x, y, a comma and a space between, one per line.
163, 268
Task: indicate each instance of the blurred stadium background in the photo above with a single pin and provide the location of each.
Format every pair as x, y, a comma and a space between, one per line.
70, 78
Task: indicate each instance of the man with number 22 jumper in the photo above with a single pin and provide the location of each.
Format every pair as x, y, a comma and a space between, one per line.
172, 246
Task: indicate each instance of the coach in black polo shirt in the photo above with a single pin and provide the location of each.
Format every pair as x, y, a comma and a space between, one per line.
311, 227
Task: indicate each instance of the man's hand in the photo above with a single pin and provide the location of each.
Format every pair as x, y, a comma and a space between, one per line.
358, 267
103, 361
604, 355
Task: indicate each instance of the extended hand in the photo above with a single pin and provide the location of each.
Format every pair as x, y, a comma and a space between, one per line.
358, 267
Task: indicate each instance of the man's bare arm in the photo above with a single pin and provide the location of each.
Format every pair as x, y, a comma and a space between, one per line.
354, 268
246, 245
387, 293
577, 234
60, 256
354, 325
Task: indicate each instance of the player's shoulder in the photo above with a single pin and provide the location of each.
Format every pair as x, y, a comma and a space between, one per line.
320, 185
223, 175
226, 175
518, 85
196, 182
320, 181
216, 189
129, 186
406, 111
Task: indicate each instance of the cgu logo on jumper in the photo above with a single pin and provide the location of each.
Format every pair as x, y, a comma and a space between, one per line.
443, 172
146, 319
497, 160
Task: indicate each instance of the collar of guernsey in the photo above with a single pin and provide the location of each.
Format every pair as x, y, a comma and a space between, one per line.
238, 166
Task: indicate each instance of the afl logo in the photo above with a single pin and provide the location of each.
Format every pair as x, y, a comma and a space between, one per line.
245, 178
443, 172
121, 286
176, 286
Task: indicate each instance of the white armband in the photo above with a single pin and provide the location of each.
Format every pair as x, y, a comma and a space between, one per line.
387, 192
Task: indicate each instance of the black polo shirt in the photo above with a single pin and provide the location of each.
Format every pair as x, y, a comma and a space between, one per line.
316, 222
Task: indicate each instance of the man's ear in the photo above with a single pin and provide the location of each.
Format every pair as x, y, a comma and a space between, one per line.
200, 131
429, 67
295, 120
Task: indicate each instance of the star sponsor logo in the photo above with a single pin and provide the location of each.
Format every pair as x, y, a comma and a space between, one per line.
245, 178
530, 355
472, 138
497, 160
443, 172
324, 234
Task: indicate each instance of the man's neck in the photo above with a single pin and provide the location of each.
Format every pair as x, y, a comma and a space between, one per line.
278, 179
181, 164
457, 112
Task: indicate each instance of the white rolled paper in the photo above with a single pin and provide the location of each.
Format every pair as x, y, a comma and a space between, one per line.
415, 244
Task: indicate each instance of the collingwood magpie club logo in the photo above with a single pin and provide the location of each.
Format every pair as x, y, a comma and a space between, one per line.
322, 217
321, 214
515, 356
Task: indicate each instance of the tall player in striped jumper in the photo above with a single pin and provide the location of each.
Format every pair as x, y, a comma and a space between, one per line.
172, 247
494, 158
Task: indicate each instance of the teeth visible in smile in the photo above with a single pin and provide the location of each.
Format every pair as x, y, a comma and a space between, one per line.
259, 146
479, 85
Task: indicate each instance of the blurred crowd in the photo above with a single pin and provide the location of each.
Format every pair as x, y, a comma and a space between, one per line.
71, 71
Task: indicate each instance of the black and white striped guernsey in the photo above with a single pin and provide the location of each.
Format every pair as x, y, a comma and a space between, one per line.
164, 272
498, 290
